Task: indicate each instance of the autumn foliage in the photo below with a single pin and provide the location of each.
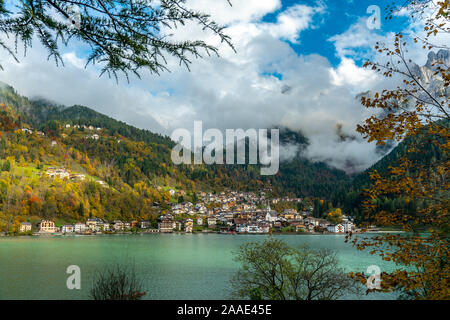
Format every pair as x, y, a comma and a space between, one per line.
418, 114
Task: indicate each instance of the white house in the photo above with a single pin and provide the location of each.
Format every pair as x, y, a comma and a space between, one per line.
212, 222
336, 228
253, 228
271, 216
80, 227
348, 226
312, 221
67, 228
241, 228
103, 184
95, 224
118, 225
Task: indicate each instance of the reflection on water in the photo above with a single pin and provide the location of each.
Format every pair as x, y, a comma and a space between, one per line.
174, 266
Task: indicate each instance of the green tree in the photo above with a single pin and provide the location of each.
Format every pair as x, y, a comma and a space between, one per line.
124, 36
6, 166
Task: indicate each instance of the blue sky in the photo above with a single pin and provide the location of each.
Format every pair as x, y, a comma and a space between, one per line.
339, 16
298, 64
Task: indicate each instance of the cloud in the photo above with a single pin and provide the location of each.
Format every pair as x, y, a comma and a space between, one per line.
350, 75
291, 22
241, 11
72, 59
237, 90
358, 40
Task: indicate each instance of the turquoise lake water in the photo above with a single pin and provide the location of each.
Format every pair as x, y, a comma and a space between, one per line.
173, 266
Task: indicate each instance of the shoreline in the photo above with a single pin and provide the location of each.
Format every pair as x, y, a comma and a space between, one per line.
53, 235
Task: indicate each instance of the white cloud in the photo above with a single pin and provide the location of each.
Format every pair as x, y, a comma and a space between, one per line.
234, 91
240, 11
75, 61
358, 41
291, 22
349, 74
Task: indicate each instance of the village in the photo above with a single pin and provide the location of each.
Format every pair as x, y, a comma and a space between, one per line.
225, 212
229, 212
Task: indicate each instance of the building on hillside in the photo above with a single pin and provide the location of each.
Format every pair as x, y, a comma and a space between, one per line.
106, 226
166, 224
348, 226
212, 222
145, 224
47, 226
324, 223
103, 184
58, 173
310, 227
95, 224
254, 228
271, 216
300, 227
199, 221
312, 221
80, 227
241, 228
118, 225
25, 227
77, 177
188, 225
264, 227
336, 228
68, 228
289, 214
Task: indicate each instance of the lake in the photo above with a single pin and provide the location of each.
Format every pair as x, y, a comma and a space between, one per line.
174, 266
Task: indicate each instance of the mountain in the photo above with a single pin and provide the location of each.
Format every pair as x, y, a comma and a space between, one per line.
150, 152
427, 75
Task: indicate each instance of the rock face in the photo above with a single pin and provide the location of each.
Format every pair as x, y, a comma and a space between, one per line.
442, 56
428, 79
427, 76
